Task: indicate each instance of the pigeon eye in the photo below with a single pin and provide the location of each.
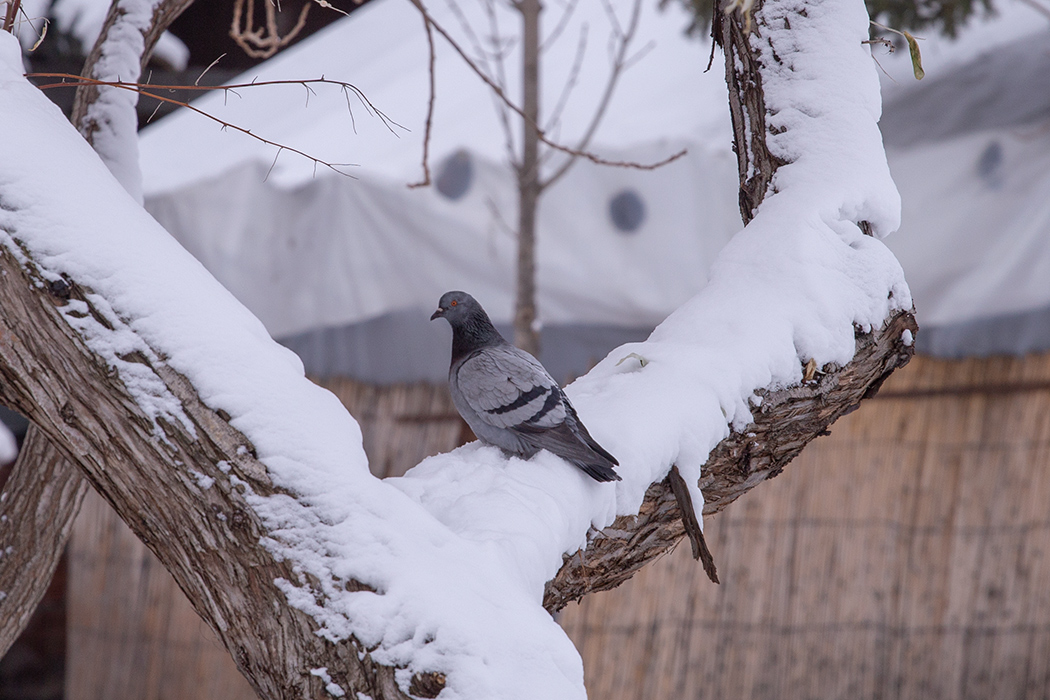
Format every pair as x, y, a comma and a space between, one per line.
454, 303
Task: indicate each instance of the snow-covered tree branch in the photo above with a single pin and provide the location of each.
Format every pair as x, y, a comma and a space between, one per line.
250, 483
106, 115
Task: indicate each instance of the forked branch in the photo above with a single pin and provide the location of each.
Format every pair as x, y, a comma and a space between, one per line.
785, 421
151, 91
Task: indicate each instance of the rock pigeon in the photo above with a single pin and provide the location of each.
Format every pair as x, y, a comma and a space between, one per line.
508, 398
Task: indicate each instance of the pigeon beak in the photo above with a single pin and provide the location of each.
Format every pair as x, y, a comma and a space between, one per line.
436, 314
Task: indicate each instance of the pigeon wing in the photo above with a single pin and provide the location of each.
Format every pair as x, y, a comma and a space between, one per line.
571, 441
509, 389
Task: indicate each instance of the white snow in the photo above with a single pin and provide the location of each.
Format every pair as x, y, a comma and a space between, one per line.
334, 689
203, 480
113, 113
117, 343
460, 579
8, 445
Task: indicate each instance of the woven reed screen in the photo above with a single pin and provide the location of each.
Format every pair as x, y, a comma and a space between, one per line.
906, 555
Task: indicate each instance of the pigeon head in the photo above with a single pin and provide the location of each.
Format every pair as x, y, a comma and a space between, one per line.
471, 327
458, 308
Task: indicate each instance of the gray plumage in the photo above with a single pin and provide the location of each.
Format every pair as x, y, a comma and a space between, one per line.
508, 399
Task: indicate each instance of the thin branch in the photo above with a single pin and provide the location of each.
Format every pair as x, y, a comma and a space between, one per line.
210, 66
500, 48
576, 152
76, 81
328, 6
563, 22
430, 109
501, 74
570, 83
619, 65
41, 33
472, 36
497, 217
12, 13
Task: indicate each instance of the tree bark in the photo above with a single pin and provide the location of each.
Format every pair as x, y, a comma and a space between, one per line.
38, 504
526, 335
747, 106
786, 420
175, 497
208, 537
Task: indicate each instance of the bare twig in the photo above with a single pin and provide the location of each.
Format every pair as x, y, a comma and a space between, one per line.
76, 81
563, 22
328, 6
12, 13
210, 66
570, 83
17, 8
624, 39
499, 92
430, 109
499, 52
260, 42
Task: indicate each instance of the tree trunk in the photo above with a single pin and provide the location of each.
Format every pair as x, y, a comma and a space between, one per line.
526, 333
209, 538
786, 422
747, 108
172, 492
38, 504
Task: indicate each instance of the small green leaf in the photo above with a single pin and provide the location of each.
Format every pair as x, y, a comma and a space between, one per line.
916, 57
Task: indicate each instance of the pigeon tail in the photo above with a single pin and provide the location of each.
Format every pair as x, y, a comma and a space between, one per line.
598, 472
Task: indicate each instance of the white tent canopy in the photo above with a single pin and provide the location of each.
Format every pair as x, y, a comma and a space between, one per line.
382, 50
345, 271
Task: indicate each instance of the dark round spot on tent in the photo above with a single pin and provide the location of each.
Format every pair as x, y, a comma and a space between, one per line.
627, 211
455, 175
990, 162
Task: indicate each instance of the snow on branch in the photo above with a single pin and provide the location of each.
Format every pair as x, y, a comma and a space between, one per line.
106, 115
813, 182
